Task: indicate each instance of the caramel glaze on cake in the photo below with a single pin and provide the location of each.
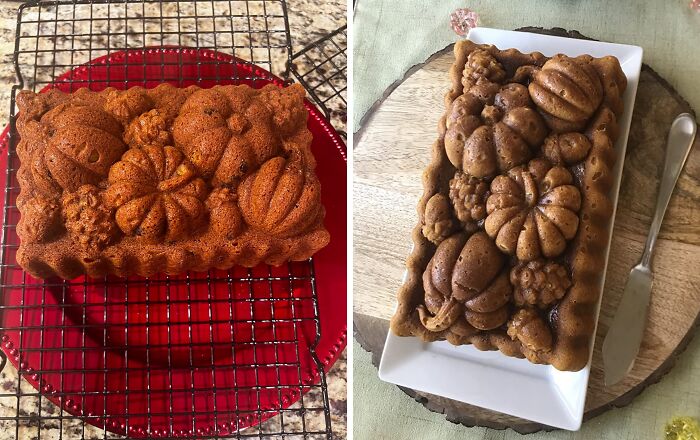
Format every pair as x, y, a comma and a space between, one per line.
515, 215
165, 180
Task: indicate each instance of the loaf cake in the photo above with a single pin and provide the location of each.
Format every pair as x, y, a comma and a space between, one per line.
165, 180
515, 217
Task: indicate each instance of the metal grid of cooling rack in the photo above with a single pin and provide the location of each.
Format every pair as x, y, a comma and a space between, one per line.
54, 36
321, 67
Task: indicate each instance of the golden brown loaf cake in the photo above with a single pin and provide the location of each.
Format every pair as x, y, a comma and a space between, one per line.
165, 180
515, 215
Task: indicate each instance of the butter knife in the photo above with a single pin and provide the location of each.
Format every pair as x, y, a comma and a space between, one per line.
624, 337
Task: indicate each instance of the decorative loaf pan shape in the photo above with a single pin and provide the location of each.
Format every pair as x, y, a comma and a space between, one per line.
515, 216
169, 179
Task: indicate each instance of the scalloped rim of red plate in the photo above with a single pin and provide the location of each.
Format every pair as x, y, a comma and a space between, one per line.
329, 346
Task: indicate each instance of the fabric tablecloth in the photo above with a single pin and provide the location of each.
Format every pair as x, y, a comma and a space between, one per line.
382, 411
392, 36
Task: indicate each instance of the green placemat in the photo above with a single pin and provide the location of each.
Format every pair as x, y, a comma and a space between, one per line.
383, 411
391, 36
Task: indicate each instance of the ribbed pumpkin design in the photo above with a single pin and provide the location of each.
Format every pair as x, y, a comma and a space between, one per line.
282, 198
533, 210
225, 136
156, 193
464, 277
568, 91
83, 142
484, 140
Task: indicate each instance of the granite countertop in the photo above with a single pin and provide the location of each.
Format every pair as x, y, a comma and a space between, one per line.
308, 21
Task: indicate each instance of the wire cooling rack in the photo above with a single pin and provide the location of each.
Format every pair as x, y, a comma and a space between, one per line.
321, 67
54, 36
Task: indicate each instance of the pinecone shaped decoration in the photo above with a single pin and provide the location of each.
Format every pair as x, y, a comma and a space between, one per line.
468, 197
539, 283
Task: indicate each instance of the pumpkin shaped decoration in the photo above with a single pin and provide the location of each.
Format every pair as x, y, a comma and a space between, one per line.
567, 91
501, 139
156, 193
83, 142
532, 211
282, 198
462, 119
225, 136
464, 278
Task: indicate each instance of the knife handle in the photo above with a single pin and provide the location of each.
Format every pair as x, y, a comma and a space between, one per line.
678, 145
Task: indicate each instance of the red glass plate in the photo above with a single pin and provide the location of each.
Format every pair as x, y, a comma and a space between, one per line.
197, 354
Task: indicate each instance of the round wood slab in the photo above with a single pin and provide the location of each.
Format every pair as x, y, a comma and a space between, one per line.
393, 147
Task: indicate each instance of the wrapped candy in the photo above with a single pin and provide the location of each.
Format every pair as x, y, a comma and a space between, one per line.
682, 428
462, 20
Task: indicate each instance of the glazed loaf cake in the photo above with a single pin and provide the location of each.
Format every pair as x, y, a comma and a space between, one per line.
515, 216
165, 180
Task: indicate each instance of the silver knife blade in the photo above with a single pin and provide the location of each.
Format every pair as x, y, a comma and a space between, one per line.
624, 337
621, 344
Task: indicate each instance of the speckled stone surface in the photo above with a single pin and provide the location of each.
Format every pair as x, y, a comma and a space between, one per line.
308, 21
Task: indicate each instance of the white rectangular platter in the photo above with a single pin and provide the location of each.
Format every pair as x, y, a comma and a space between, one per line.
489, 379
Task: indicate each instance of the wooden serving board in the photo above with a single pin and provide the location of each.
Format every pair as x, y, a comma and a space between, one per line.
393, 147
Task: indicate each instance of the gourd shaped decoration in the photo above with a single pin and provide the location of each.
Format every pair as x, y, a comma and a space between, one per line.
156, 193
612, 78
282, 198
566, 148
226, 135
82, 143
483, 140
224, 214
528, 328
438, 223
567, 91
533, 210
464, 278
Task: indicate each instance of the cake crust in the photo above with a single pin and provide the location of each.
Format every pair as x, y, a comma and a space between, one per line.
515, 214
165, 180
